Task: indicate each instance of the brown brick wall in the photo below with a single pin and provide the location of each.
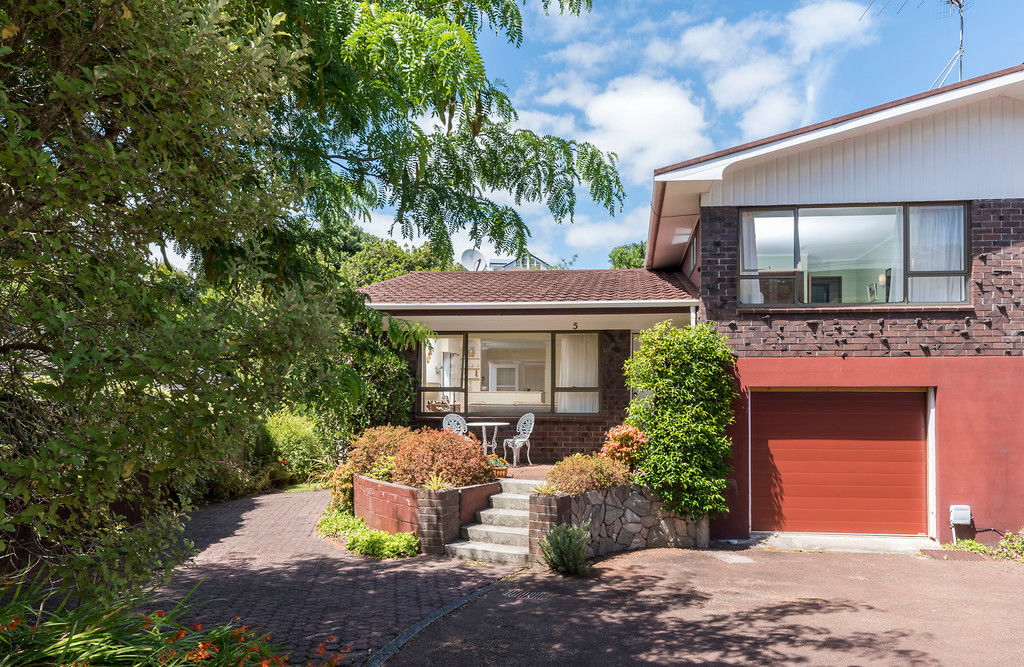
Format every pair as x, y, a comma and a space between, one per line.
557, 436
545, 513
992, 325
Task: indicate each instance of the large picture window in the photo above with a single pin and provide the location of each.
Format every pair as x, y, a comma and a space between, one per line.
853, 255
509, 373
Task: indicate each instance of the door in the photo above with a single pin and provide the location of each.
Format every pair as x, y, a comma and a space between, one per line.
839, 462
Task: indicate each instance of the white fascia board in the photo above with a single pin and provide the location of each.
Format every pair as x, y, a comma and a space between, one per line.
540, 305
714, 169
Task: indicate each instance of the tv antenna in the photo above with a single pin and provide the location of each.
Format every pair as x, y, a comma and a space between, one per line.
946, 8
473, 260
953, 8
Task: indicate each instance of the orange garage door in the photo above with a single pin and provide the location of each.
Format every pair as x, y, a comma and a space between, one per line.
838, 462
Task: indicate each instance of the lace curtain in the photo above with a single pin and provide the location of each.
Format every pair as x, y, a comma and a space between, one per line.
577, 367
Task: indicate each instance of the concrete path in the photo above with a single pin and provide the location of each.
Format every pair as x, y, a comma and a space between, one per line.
758, 606
261, 560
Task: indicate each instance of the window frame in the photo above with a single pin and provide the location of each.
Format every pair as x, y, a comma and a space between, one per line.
964, 273
552, 390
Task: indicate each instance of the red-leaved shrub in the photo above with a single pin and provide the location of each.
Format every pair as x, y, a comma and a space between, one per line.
622, 443
459, 460
367, 449
588, 472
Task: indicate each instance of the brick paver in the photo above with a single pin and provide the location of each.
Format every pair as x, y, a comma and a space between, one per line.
260, 559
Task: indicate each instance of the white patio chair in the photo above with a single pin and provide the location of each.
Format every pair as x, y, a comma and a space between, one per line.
524, 427
455, 423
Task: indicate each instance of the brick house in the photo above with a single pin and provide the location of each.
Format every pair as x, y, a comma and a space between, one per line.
867, 271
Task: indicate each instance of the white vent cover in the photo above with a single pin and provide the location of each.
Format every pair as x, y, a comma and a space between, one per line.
959, 515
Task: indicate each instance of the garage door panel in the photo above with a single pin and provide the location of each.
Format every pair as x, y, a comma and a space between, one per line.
851, 462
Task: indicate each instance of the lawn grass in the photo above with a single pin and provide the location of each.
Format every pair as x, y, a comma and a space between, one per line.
302, 488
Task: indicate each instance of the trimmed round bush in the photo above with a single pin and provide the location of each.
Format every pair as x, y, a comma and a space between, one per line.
588, 472
426, 453
368, 448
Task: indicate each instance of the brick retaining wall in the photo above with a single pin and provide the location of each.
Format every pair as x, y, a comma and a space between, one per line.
434, 516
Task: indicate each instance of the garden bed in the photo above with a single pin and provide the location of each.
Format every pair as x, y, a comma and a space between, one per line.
622, 518
433, 516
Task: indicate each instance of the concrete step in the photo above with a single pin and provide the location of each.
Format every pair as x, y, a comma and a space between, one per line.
510, 485
511, 501
486, 551
477, 532
503, 517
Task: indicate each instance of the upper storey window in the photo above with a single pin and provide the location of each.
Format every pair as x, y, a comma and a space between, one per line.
853, 255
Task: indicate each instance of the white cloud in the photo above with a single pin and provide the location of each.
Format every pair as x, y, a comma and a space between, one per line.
822, 25
587, 55
648, 122
741, 85
569, 88
562, 125
722, 42
773, 112
588, 234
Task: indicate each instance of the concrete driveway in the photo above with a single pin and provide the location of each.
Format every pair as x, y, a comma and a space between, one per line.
756, 606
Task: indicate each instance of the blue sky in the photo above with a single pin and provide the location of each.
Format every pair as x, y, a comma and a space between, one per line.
662, 81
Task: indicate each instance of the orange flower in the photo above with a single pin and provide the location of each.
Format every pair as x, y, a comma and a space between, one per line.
331, 638
321, 650
179, 635
265, 663
146, 622
197, 627
160, 613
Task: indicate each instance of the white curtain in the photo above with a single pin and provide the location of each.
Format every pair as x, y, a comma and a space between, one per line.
936, 244
750, 290
576, 355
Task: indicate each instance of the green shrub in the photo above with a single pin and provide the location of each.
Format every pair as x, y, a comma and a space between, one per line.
685, 391
298, 443
437, 483
966, 545
366, 450
546, 489
383, 469
360, 539
428, 452
39, 627
564, 549
1010, 546
588, 472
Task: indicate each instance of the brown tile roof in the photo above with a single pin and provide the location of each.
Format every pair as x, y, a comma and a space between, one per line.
840, 119
501, 287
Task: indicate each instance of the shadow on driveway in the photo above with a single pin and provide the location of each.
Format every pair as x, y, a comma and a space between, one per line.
687, 607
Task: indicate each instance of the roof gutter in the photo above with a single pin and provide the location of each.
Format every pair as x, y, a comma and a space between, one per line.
539, 305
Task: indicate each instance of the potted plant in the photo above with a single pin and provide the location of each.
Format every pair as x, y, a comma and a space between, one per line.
498, 465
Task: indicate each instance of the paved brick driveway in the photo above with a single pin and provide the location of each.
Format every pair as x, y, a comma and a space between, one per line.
261, 560
667, 606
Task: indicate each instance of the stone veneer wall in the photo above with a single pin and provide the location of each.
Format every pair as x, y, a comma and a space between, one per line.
557, 436
990, 324
434, 516
622, 518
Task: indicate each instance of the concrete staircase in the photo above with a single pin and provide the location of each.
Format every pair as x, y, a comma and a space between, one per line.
502, 532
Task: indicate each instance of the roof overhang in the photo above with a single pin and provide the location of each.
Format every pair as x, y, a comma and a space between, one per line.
537, 305
678, 188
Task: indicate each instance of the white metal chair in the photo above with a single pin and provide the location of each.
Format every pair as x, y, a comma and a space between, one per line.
455, 423
524, 427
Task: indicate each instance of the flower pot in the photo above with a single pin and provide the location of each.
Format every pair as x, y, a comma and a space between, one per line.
500, 472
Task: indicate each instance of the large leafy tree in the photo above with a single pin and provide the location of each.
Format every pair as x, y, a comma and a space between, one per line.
251, 135
628, 255
381, 259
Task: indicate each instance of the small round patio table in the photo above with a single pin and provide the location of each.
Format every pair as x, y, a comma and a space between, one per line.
494, 436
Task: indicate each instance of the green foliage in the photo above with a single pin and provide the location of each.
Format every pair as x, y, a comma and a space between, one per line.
546, 488
297, 441
578, 473
39, 627
564, 549
684, 404
383, 469
1010, 546
383, 259
972, 546
437, 483
628, 255
428, 452
365, 541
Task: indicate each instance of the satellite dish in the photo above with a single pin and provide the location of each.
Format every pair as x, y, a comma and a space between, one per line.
473, 260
